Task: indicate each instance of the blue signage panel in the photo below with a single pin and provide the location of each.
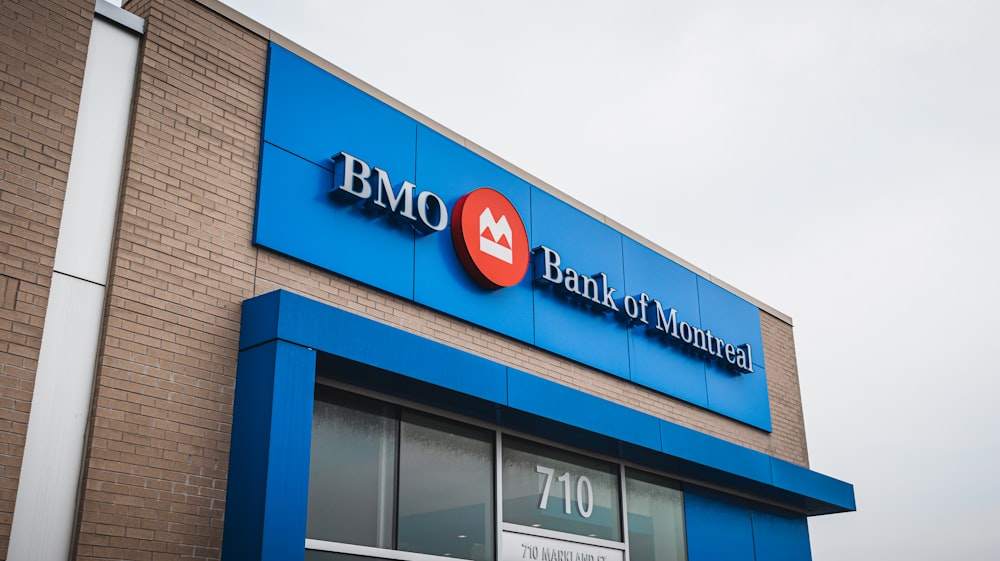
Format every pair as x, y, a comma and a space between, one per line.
351, 185
566, 322
440, 281
312, 114
309, 117
296, 216
656, 361
734, 319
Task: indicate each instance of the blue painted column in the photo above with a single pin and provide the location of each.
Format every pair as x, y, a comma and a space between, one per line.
269, 461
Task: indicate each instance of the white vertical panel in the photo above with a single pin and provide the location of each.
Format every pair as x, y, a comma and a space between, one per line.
43, 525
42, 528
95, 171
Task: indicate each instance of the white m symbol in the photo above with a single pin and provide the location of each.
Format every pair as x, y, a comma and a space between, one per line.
499, 232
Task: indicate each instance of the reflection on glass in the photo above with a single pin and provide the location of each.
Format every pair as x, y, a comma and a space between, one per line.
655, 519
351, 470
544, 487
445, 488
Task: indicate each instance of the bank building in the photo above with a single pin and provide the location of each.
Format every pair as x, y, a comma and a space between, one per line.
255, 309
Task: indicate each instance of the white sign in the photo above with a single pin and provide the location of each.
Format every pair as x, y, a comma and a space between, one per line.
522, 547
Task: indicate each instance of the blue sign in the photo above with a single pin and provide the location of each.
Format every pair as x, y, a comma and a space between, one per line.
356, 187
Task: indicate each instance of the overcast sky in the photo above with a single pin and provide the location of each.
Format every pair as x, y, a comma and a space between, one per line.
838, 160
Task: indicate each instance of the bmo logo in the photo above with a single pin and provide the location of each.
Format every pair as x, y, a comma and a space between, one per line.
490, 239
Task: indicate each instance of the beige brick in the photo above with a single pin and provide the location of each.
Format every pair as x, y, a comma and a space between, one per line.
42, 56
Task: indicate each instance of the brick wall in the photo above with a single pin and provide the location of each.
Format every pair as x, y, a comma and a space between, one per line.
155, 475
788, 439
43, 48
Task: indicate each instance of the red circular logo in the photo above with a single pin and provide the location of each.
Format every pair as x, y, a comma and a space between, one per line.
490, 239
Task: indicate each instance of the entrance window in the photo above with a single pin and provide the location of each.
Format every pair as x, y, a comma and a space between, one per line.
391, 478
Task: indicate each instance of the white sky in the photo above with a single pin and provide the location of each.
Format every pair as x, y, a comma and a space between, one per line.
837, 160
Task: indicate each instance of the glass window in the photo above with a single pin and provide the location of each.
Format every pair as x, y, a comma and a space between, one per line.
392, 478
655, 518
388, 477
544, 487
445, 488
352, 470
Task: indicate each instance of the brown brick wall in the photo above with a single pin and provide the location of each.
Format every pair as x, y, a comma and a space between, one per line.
43, 48
155, 477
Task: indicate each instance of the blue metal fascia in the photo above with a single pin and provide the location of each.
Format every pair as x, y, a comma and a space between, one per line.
528, 402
